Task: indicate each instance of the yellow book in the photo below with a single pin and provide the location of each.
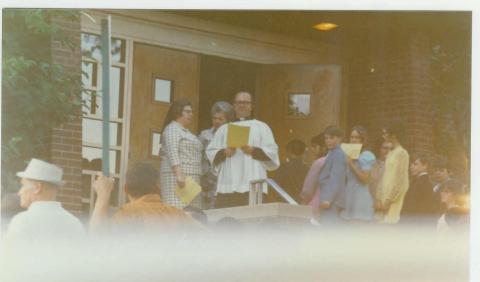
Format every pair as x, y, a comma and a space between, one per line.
352, 150
189, 191
237, 135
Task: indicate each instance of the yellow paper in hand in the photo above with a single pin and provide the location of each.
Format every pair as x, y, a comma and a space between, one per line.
189, 192
237, 135
352, 150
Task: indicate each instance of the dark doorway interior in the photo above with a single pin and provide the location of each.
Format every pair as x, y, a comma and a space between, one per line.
220, 79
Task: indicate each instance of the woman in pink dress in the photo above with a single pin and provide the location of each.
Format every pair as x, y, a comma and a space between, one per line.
311, 188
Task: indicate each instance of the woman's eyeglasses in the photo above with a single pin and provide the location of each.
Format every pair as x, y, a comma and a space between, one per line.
243, 102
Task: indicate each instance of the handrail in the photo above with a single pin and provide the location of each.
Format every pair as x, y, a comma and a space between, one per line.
256, 190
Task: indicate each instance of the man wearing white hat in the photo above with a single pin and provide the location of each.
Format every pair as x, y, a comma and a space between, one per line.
43, 232
44, 219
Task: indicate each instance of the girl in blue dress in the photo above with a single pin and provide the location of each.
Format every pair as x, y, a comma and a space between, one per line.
358, 200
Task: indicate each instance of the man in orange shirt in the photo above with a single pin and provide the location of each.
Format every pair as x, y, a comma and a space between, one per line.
145, 212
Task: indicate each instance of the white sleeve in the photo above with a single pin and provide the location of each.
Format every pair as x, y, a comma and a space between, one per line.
269, 147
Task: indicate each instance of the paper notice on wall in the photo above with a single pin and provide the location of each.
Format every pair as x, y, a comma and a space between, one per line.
352, 150
189, 191
237, 135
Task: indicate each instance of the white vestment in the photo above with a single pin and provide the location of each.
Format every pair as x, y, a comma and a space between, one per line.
236, 172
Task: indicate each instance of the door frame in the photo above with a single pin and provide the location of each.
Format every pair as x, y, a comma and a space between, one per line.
203, 38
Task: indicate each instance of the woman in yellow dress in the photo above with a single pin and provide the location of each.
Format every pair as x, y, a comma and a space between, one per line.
395, 178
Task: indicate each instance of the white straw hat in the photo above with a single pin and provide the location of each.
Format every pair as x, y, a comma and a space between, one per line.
42, 171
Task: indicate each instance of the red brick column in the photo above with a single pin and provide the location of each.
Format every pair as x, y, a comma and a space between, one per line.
66, 148
66, 151
390, 79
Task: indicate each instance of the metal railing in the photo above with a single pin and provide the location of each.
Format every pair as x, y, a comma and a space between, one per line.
256, 192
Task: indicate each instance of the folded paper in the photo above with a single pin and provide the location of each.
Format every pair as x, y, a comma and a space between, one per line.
352, 150
237, 135
189, 191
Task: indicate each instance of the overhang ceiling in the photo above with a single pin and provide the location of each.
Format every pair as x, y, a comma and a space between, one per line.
352, 25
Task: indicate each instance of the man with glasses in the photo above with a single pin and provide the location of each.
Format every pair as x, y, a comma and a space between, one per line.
239, 166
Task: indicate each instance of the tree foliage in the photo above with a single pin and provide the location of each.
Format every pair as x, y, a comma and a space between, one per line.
38, 94
451, 89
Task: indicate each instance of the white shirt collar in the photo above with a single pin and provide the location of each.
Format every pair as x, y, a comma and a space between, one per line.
44, 205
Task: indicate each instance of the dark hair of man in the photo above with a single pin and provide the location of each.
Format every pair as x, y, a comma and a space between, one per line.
142, 179
333, 131
296, 147
453, 185
441, 162
456, 187
395, 128
318, 140
423, 158
175, 111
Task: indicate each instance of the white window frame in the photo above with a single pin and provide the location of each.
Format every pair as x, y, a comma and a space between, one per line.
124, 121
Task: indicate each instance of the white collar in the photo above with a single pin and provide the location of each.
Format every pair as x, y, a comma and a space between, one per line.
44, 205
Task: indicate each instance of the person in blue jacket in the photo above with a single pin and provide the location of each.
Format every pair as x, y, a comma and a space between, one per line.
332, 178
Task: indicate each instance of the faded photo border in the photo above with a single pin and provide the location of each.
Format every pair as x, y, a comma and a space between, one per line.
352, 5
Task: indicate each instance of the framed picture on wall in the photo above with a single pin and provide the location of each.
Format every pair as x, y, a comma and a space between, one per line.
162, 90
298, 105
155, 143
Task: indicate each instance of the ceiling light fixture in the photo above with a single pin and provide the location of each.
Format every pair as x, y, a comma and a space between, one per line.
325, 26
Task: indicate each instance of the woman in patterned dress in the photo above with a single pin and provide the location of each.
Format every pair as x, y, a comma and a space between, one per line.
181, 154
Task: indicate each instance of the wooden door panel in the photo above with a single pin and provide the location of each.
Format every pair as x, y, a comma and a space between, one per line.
275, 82
146, 115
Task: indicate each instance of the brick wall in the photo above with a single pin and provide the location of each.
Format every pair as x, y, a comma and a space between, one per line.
66, 148
390, 79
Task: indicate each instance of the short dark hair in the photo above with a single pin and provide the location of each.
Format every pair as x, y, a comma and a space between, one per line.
453, 185
333, 130
297, 147
395, 127
142, 178
175, 111
318, 140
424, 158
441, 162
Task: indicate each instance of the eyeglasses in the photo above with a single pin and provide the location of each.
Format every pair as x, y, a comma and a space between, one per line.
386, 148
243, 102
188, 111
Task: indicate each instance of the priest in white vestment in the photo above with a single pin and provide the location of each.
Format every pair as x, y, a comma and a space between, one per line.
239, 166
